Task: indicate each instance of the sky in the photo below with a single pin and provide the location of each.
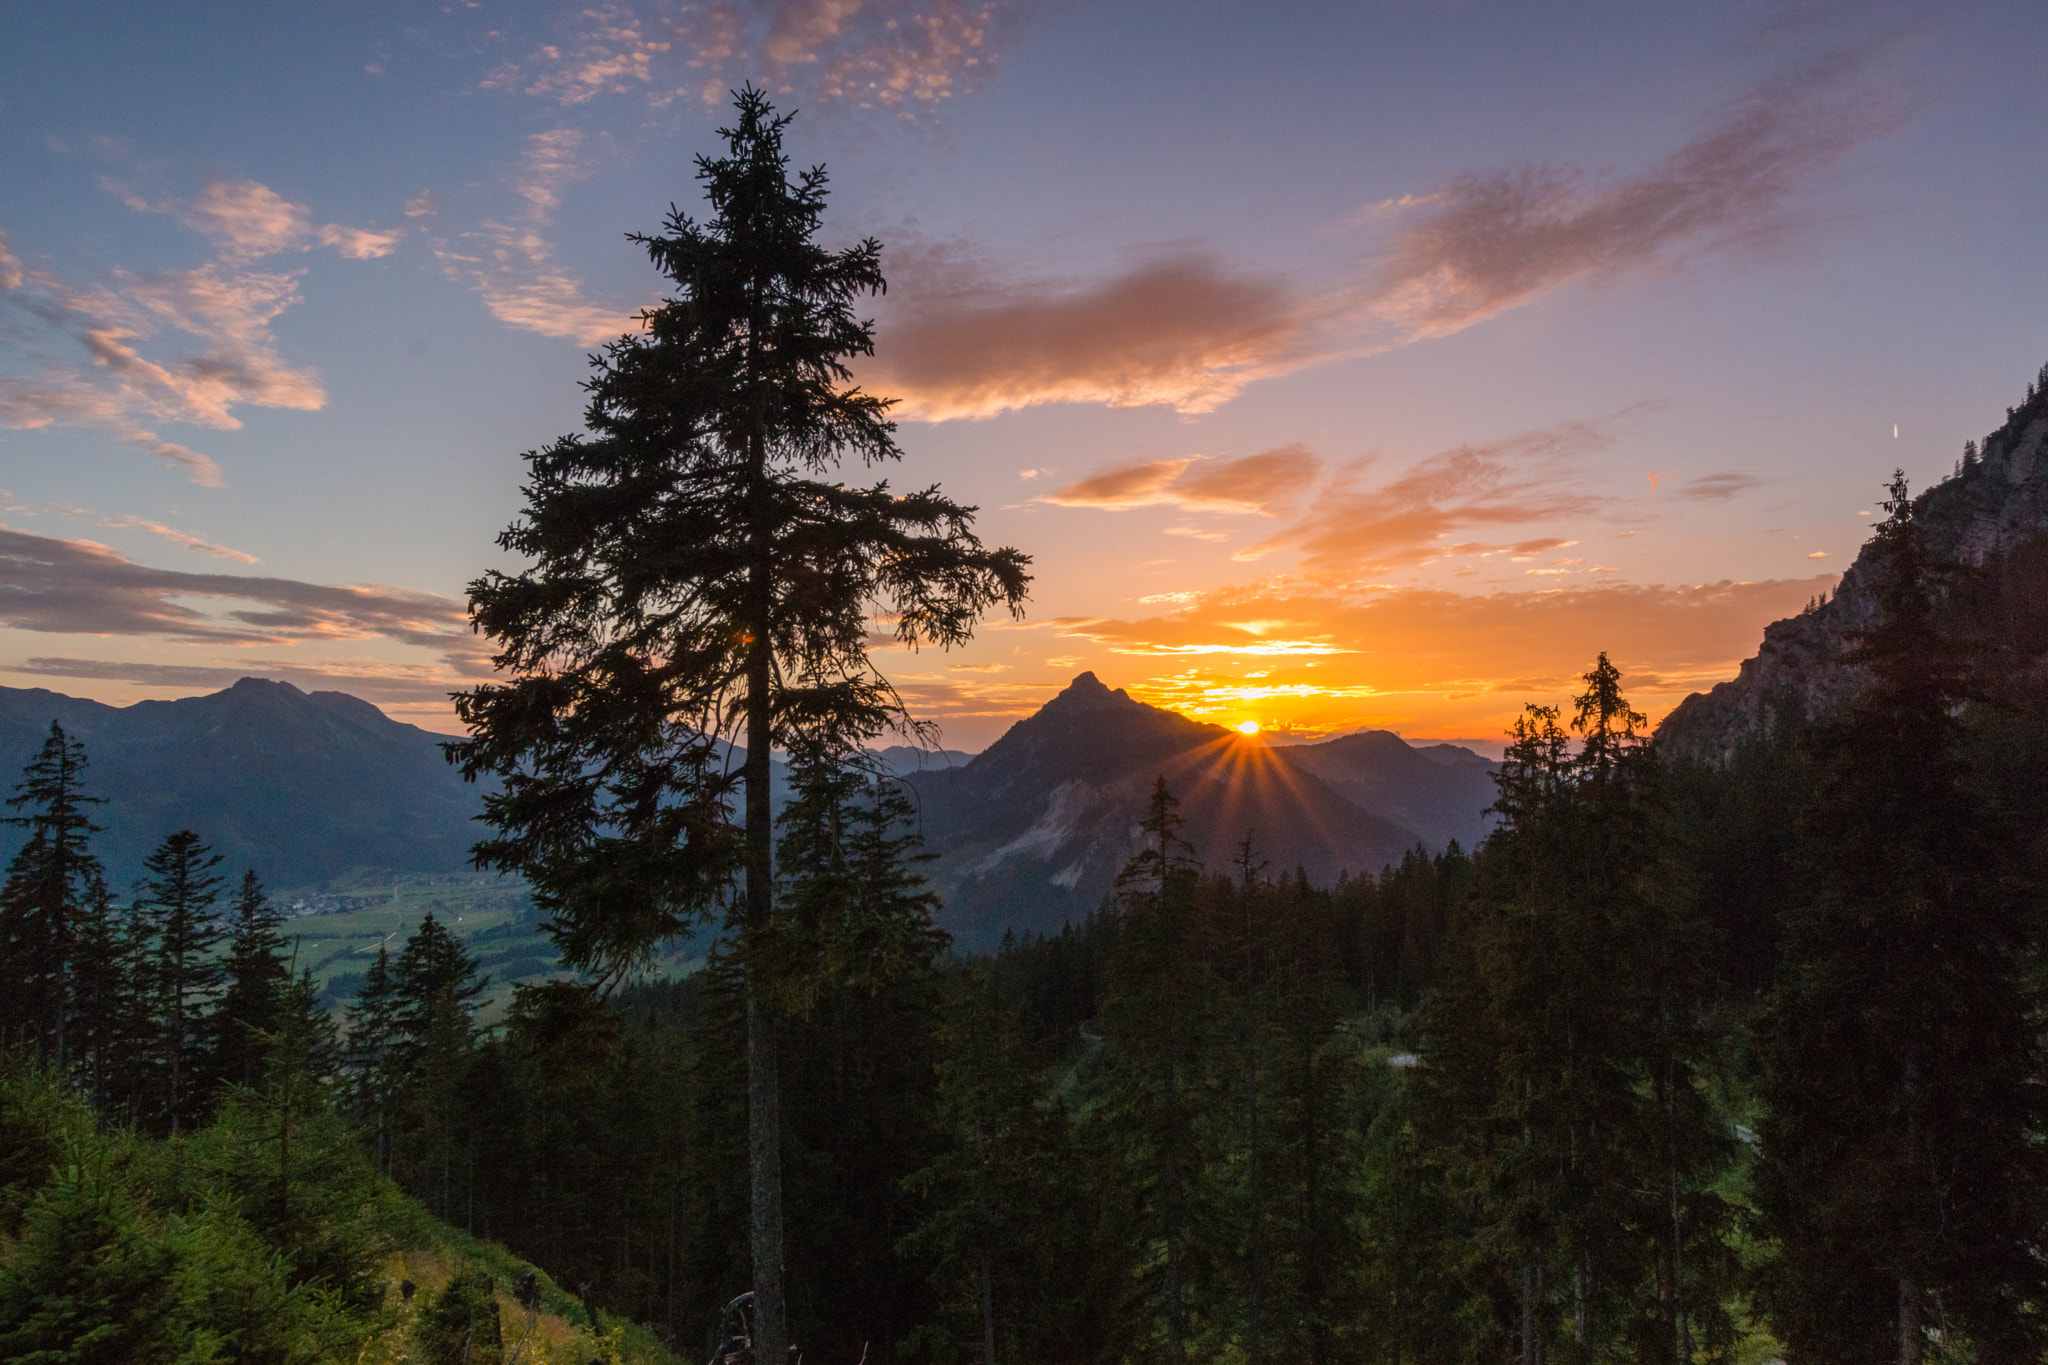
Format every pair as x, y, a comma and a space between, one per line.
1341, 366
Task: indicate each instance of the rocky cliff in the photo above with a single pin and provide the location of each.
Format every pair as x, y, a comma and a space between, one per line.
1990, 516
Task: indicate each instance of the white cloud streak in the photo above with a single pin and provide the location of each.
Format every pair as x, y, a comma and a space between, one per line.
511, 263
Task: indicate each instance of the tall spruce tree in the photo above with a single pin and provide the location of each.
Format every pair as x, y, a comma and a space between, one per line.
182, 972
105, 972
697, 577
1902, 1170
45, 894
256, 973
434, 988
370, 1054
1155, 1020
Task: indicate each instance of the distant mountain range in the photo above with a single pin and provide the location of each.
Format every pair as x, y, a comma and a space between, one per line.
1990, 518
305, 789
1031, 833
313, 789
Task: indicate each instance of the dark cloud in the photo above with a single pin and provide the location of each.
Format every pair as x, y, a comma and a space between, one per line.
80, 587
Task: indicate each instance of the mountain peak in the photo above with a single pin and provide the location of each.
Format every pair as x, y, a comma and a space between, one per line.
247, 686
1087, 693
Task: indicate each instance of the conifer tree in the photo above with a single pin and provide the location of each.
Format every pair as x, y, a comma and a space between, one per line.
45, 893
181, 970
1153, 1021
257, 975
852, 912
1902, 1169
434, 985
697, 578
370, 1058
1566, 1054
105, 974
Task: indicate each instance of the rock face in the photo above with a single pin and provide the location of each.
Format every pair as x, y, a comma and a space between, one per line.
1031, 834
1989, 515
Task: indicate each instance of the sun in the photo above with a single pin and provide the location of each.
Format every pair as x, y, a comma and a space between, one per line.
1247, 727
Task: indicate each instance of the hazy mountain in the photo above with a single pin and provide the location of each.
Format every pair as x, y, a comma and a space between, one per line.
1440, 792
903, 759
302, 788
1031, 833
1990, 516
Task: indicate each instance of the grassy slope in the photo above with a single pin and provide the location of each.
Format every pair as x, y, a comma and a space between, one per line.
560, 1333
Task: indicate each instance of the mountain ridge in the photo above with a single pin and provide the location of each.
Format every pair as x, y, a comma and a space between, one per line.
1029, 835
306, 788
1989, 517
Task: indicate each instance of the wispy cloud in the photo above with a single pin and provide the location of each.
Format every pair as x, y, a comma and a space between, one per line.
80, 587
511, 263
247, 221
1358, 527
1490, 241
1190, 331
903, 56
1270, 482
127, 351
1717, 487
177, 537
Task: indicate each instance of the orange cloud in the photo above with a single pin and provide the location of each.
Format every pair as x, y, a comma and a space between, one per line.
1424, 657
1270, 482
1513, 482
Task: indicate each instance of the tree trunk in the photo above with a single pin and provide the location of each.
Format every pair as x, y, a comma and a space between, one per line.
764, 1098
988, 1314
764, 1178
1910, 1340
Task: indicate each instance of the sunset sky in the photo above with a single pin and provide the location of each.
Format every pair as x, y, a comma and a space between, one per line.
1350, 365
